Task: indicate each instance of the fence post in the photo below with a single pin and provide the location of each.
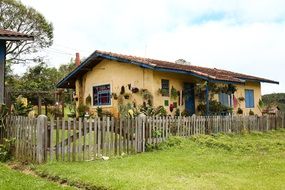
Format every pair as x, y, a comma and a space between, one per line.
41, 127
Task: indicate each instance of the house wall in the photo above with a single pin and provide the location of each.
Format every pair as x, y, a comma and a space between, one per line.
121, 74
117, 75
256, 87
175, 80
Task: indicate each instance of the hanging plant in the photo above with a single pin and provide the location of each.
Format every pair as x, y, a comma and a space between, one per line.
163, 92
88, 100
122, 90
251, 112
239, 111
127, 96
129, 86
115, 96
146, 96
135, 90
241, 99
231, 89
174, 93
171, 107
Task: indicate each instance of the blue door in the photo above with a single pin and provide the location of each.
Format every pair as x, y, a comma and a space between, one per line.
189, 98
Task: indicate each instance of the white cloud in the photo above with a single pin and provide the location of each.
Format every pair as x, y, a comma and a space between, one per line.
240, 35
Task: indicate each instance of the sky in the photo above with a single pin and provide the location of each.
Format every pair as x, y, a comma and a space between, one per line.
246, 36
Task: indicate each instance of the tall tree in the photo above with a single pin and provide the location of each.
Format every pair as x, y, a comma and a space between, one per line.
65, 69
20, 18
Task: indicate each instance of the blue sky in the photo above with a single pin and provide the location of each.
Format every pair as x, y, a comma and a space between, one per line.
245, 36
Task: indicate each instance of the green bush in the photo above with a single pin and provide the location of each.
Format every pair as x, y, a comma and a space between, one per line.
251, 112
170, 142
82, 110
6, 150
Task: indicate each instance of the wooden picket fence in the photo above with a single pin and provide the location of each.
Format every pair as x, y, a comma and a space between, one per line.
42, 139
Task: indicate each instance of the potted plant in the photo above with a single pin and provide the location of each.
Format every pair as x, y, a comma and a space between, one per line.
127, 95
135, 90
115, 96
88, 100
241, 99
174, 93
239, 111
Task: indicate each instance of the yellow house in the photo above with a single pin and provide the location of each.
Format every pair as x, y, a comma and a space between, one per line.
108, 80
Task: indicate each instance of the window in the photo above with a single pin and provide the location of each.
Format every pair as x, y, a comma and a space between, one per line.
101, 95
249, 98
165, 87
224, 99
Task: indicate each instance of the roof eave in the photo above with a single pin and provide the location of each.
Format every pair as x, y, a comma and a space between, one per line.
62, 82
15, 38
260, 80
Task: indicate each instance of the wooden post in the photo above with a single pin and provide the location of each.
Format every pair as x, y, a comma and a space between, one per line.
207, 99
2, 69
41, 128
39, 105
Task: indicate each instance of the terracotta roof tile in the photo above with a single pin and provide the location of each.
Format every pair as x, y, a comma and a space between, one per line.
216, 75
212, 73
14, 35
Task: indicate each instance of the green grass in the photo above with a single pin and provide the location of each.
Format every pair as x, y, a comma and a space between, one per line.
255, 161
14, 180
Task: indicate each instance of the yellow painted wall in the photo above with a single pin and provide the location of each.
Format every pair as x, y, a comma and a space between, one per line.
175, 80
117, 74
256, 87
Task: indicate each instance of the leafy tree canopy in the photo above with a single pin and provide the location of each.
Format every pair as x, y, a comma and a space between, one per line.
276, 99
20, 18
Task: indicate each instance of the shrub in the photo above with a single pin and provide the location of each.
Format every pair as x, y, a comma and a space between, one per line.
82, 110
170, 142
239, 111
103, 113
21, 107
251, 112
6, 150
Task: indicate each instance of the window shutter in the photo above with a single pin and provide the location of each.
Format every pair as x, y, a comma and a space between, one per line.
249, 98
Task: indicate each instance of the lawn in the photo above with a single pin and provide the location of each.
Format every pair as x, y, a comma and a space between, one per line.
255, 161
11, 179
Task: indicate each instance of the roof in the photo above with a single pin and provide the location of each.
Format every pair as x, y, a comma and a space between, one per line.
212, 75
13, 36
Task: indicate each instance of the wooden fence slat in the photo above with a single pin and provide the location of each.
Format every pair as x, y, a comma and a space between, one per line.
99, 137
84, 138
74, 138
57, 139
108, 134
79, 139
95, 133
69, 148
120, 136
63, 138
89, 138
51, 139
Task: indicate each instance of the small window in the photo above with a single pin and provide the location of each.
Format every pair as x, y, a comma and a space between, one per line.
224, 99
101, 95
165, 87
249, 98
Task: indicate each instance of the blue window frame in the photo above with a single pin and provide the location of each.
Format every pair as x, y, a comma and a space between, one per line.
249, 98
102, 95
165, 87
224, 99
